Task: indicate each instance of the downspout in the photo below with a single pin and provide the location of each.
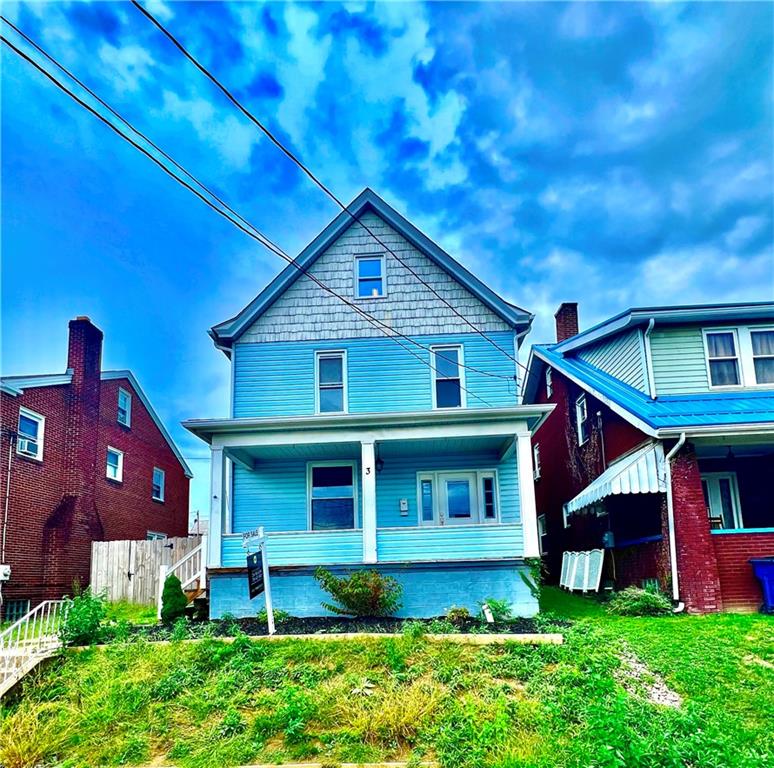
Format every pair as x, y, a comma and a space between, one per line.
11, 443
649, 358
679, 606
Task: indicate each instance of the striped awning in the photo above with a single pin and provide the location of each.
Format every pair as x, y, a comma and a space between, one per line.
639, 472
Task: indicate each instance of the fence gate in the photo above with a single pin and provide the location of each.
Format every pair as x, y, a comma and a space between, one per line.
129, 570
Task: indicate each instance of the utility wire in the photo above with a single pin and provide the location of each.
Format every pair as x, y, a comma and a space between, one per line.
387, 330
290, 155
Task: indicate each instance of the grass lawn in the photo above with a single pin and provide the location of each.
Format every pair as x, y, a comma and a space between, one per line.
131, 613
212, 703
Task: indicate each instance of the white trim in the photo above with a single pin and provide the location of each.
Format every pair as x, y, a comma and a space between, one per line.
155, 536
440, 517
527, 505
647, 357
322, 354
713, 491
215, 531
21, 441
368, 479
736, 357
128, 409
373, 256
310, 465
119, 478
461, 376
536, 461
582, 405
162, 485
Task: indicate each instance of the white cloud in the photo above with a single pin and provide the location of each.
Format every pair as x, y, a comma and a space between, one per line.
129, 65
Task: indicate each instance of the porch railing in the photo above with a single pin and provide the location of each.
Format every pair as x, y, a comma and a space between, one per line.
28, 641
191, 570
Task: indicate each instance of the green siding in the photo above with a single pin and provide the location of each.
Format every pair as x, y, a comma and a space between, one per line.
622, 356
679, 366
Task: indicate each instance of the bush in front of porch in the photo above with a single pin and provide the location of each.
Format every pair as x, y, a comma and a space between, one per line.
361, 593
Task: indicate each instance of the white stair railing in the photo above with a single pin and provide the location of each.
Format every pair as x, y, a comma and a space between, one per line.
32, 638
191, 570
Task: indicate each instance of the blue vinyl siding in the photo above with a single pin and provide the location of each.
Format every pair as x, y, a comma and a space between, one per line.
398, 480
622, 356
277, 379
307, 548
275, 496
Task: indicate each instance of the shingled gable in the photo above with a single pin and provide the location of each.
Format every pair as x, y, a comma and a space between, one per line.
226, 333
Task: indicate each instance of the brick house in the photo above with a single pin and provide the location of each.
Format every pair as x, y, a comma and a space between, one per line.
660, 448
83, 457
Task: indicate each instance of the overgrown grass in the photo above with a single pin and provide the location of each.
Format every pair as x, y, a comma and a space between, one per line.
131, 612
216, 703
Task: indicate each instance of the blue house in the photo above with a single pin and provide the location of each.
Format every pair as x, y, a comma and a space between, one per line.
376, 428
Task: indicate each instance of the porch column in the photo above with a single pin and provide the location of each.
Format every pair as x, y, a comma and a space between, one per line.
527, 494
368, 486
217, 472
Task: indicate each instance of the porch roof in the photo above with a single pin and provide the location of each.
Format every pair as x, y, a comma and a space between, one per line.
639, 472
352, 426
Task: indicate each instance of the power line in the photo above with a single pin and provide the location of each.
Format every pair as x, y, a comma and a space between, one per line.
258, 236
290, 155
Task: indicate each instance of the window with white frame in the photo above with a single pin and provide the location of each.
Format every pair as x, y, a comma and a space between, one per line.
157, 486
582, 419
331, 375
331, 496
721, 497
536, 461
124, 408
155, 536
114, 468
549, 382
457, 497
370, 277
29, 439
763, 355
542, 533
723, 358
448, 386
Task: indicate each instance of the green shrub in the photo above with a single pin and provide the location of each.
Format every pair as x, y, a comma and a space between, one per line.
634, 601
501, 610
83, 617
362, 593
457, 616
173, 599
280, 616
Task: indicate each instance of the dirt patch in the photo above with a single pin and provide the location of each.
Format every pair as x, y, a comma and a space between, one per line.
638, 680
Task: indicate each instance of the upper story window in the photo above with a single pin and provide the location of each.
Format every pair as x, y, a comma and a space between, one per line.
740, 357
114, 468
448, 386
723, 358
29, 441
582, 419
124, 408
763, 355
549, 382
370, 277
331, 496
536, 461
157, 488
331, 374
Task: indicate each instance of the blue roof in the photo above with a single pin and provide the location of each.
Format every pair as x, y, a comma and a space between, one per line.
668, 411
227, 332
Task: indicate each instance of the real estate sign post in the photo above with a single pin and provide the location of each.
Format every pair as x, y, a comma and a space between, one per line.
258, 572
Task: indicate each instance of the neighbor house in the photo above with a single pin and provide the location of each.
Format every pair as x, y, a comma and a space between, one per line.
83, 457
660, 448
395, 442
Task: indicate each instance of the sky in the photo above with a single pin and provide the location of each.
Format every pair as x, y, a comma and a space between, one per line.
614, 154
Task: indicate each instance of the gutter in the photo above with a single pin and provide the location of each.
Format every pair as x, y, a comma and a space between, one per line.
649, 358
679, 607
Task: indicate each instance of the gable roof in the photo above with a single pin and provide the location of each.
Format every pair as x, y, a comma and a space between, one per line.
670, 315
225, 333
667, 415
15, 385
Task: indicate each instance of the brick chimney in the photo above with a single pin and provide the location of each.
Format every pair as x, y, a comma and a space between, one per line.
566, 320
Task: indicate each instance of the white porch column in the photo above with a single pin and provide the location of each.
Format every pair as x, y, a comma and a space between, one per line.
527, 494
217, 473
368, 489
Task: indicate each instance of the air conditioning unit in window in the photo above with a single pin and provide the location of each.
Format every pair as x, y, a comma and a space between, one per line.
27, 447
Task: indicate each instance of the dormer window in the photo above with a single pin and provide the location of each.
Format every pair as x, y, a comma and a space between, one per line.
763, 356
369, 277
723, 358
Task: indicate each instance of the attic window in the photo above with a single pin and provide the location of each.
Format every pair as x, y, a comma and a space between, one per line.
370, 278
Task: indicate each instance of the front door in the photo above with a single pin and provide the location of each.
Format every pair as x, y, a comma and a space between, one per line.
721, 495
459, 501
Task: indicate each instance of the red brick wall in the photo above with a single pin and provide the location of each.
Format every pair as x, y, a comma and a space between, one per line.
739, 588
59, 505
126, 508
698, 576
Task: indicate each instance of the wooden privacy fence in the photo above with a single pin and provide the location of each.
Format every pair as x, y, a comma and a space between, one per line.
129, 570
